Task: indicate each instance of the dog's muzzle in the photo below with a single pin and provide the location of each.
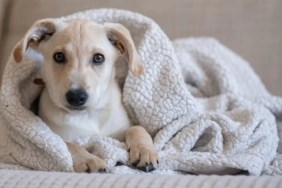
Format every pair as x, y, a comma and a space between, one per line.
76, 98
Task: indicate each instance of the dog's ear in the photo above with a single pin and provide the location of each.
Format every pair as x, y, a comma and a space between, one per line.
120, 37
39, 31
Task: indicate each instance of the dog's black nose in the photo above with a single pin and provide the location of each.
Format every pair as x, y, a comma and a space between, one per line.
76, 97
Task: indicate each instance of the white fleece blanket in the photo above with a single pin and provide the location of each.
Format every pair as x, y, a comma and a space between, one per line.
205, 107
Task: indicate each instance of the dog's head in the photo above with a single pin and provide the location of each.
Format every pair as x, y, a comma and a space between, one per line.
79, 57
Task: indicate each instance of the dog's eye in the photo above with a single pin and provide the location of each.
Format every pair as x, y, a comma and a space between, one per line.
59, 57
98, 59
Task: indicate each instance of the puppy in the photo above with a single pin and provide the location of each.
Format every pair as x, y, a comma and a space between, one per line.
81, 96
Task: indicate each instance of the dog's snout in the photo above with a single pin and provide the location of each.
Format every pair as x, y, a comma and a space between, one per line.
77, 97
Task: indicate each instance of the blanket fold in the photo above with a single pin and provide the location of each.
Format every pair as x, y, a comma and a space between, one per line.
205, 107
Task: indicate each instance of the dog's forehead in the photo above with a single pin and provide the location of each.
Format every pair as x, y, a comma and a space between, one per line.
80, 35
82, 30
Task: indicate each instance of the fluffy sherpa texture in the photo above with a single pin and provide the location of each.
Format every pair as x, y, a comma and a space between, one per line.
205, 107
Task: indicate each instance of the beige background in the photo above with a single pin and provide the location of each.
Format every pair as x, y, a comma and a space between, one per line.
252, 28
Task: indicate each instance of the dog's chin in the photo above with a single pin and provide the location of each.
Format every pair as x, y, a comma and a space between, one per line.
76, 108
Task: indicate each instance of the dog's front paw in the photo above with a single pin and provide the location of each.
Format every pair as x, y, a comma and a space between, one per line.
91, 163
143, 157
83, 161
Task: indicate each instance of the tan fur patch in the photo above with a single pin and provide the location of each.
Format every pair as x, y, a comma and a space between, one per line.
138, 70
18, 53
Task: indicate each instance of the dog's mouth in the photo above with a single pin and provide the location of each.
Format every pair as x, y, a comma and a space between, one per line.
77, 108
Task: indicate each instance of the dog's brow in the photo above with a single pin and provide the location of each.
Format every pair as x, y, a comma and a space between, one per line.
60, 49
97, 50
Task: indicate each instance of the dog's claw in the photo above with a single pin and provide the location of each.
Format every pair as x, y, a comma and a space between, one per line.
147, 168
88, 170
135, 163
103, 170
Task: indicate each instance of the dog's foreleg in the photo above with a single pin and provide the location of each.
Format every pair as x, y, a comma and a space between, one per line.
83, 161
142, 152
